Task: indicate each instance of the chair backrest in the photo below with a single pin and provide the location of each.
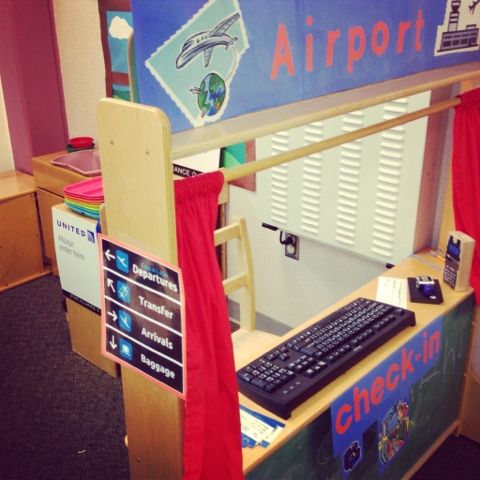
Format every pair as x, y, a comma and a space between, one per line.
243, 280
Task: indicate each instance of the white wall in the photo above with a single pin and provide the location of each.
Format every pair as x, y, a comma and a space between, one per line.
81, 62
291, 291
6, 156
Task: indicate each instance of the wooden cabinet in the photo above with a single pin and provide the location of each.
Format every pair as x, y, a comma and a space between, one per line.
20, 241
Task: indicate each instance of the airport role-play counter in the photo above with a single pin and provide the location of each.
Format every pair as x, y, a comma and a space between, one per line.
386, 415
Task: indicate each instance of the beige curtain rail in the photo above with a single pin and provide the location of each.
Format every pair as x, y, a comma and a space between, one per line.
235, 173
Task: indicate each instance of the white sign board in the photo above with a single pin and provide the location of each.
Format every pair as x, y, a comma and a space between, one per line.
75, 239
196, 164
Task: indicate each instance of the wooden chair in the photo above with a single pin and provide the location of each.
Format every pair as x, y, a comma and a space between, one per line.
247, 339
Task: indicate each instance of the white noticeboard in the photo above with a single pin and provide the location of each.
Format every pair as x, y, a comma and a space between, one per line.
196, 164
76, 248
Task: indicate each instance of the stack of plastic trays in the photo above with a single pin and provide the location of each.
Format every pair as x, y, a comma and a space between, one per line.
85, 197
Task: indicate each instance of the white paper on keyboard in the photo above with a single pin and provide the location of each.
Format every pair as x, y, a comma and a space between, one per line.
392, 291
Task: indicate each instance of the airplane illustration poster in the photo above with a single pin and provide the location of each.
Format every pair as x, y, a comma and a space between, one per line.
206, 60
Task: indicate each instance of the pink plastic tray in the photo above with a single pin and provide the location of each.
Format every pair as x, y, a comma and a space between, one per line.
90, 189
86, 162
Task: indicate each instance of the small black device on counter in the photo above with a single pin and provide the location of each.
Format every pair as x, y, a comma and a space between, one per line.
424, 289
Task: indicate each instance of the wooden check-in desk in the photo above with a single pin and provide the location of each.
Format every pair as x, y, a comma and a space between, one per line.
305, 448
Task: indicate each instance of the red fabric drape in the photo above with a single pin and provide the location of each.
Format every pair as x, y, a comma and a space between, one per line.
212, 438
466, 175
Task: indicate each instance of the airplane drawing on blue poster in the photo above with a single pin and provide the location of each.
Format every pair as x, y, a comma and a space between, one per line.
203, 57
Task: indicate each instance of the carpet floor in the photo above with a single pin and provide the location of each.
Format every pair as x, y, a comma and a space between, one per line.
62, 418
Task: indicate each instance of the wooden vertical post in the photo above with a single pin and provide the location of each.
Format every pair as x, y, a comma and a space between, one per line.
135, 153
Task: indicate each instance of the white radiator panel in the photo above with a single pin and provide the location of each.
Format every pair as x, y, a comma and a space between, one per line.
361, 196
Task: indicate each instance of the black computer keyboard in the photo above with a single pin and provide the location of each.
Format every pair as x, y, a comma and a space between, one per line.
292, 372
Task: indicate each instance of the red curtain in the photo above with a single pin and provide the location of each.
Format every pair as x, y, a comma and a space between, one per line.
212, 438
466, 175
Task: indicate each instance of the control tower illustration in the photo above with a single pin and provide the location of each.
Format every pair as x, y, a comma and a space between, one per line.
454, 39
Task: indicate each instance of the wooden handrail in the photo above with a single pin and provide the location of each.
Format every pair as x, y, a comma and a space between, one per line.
235, 173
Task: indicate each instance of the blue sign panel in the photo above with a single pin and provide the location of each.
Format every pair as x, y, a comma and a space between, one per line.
142, 314
202, 61
382, 398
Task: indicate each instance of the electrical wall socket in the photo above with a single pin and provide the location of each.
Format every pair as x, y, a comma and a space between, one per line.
292, 246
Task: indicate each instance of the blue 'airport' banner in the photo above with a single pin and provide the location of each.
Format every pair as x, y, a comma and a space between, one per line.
202, 61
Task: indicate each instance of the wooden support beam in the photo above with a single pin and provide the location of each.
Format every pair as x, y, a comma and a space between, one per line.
140, 210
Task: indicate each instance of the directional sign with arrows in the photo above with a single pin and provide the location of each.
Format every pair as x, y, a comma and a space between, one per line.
142, 313
112, 343
109, 256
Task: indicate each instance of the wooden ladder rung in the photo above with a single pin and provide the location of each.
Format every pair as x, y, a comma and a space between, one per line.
234, 283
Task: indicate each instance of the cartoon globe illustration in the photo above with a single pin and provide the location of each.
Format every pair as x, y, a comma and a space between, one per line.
211, 94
